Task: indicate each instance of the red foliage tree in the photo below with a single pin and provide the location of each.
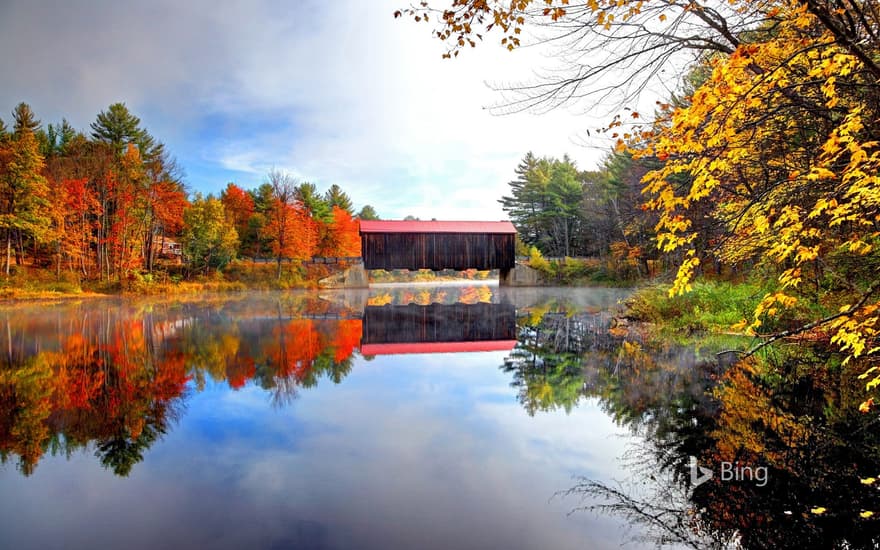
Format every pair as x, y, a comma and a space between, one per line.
239, 207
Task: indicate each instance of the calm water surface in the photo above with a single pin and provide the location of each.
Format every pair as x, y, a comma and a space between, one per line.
416, 417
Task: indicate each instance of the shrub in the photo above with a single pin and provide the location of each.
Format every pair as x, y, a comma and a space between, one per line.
537, 261
711, 306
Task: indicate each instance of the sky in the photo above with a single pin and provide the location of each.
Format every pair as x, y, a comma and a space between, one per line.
330, 92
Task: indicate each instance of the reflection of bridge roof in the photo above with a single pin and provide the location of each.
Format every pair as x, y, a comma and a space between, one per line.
407, 226
437, 347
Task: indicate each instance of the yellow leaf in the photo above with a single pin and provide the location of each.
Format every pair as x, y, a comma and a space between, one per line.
818, 510
867, 372
866, 514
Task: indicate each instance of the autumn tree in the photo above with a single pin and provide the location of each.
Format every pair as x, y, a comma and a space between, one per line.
166, 204
771, 160
142, 192
81, 179
164, 201
342, 236
75, 205
607, 51
290, 228
782, 157
254, 242
209, 239
239, 207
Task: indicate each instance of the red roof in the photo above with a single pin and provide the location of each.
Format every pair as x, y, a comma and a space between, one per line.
437, 347
388, 226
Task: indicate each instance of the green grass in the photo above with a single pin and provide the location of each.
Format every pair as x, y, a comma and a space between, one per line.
712, 306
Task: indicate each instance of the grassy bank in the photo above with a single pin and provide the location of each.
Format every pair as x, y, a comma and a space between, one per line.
608, 271
30, 283
720, 307
712, 306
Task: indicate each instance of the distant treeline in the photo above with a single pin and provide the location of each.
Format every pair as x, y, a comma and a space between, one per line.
564, 212
112, 203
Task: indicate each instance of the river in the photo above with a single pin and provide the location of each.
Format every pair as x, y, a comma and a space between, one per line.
456, 416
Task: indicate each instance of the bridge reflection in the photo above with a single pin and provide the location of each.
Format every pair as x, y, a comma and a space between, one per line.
438, 328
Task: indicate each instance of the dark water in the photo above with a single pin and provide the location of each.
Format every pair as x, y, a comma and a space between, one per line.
417, 417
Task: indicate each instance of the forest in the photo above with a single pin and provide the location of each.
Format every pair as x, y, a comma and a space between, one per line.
592, 221
111, 206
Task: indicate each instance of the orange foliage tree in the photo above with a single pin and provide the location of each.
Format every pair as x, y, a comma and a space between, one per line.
342, 237
239, 207
291, 230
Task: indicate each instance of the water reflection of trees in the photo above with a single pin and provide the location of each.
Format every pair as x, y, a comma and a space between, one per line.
792, 411
114, 379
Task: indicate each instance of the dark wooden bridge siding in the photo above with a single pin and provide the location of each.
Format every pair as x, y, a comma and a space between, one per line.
438, 323
438, 251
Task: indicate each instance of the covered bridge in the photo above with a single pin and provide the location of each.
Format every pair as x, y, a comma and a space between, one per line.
438, 245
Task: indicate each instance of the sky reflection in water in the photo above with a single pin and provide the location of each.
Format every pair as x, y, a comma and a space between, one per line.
416, 450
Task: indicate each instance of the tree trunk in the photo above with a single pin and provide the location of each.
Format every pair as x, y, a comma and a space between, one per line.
149, 251
567, 239
19, 248
8, 250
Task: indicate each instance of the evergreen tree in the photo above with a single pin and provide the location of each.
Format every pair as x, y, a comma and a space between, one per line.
262, 197
335, 196
25, 120
118, 127
368, 213
561, 217
308, 195
525, 203
23, 189
58, 137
